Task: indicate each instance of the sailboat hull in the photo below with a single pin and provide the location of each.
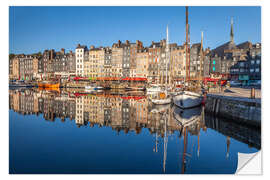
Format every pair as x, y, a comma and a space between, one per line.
188, 99
161, 101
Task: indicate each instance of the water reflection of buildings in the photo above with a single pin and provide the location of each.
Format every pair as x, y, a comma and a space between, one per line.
121, 113
240, 132
129, 113
49, 104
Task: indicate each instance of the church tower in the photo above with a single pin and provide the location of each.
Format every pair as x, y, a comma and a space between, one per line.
231, 34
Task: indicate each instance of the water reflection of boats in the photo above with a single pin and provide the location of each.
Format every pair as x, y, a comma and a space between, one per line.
55, 89
160, 108
48, 84
187, 116
135, 88
20, 85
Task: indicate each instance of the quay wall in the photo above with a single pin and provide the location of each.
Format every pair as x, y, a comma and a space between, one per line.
243, 110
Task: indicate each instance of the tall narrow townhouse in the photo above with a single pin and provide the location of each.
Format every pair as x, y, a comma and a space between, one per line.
81, 56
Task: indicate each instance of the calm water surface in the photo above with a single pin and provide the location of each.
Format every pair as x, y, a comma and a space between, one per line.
66, 132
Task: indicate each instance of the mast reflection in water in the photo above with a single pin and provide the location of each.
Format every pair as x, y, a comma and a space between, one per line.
63, 132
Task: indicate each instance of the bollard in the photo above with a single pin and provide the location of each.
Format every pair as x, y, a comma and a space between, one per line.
252, 93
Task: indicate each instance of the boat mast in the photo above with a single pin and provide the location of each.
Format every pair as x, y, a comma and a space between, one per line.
167, 53
165, 144
201, 59
184, 151
187, 46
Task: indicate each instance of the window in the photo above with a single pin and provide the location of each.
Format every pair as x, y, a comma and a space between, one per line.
252, 62
258, 61
257, 70
251, 70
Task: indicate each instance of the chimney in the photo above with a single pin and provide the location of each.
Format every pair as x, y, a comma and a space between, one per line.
92, 47
127, 42
62, 51
51, 54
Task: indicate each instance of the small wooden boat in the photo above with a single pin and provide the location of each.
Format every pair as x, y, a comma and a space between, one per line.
49, 84
93, 88
187, 99
89, 88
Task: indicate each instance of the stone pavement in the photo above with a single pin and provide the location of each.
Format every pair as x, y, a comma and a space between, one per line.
239, 92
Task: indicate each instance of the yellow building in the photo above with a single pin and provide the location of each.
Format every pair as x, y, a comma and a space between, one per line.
93, 110
16, 68
35, 67
94, 67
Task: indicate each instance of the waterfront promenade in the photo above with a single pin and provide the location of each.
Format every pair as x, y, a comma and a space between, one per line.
239, 92
235, 103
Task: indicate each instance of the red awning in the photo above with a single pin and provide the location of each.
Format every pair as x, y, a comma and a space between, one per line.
80, 94
134, 79
133, 97
80, 78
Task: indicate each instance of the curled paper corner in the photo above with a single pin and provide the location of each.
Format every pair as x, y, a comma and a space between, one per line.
249, 163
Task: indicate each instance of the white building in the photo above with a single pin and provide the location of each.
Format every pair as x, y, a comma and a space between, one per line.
81, 54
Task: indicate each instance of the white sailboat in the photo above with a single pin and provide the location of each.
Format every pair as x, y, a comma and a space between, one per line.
93, 88
188, 99
163, 96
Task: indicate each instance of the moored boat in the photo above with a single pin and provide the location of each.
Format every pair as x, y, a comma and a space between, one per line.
49, 84
187, 99
162, 97
93, 88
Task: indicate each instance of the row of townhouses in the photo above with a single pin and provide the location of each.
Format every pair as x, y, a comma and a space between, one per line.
125, 59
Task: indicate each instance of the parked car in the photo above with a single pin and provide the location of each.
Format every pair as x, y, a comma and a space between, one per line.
255, 83
235, 83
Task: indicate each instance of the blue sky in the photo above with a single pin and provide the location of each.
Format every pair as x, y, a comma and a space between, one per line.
34, 29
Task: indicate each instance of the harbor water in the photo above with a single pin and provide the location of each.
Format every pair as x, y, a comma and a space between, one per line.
109, 132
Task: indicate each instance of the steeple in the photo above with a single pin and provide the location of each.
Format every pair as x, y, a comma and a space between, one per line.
231, 34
